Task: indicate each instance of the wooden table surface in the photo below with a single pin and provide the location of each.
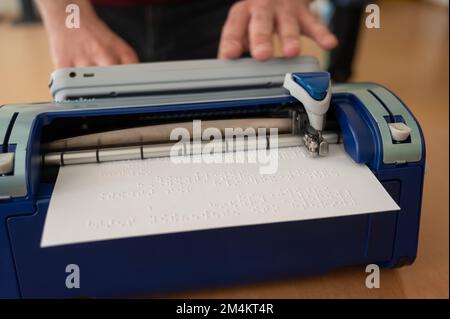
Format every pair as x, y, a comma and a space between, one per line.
409, 55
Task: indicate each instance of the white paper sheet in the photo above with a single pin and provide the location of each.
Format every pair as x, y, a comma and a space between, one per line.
114, 200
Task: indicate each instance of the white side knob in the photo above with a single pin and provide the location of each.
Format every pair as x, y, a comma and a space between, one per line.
6, 163
399, 131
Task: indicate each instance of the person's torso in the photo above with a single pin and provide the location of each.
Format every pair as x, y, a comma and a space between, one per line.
125, 3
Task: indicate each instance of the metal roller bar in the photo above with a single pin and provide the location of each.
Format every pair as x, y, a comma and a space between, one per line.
169, 149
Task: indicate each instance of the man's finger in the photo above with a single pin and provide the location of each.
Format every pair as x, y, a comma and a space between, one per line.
314, 29
288, 32
233, 33
260, 32
129, 56
63, 63
83, 62
105, 60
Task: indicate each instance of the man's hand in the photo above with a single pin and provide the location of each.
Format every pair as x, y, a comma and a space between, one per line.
92, 44
251, 24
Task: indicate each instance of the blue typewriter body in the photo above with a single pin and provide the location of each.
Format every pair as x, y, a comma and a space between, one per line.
157, 264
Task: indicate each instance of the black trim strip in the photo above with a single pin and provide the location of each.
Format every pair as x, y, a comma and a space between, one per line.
391, 116
8, 132
115, 94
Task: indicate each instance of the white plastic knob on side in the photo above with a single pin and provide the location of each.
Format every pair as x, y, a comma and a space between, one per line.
6, 163
316, 110
399, 131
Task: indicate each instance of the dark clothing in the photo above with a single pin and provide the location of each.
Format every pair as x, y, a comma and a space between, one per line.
190, 29
128, 3
28, 13
181, 31
345, 24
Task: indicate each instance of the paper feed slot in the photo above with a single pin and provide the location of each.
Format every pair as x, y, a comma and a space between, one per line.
156, 141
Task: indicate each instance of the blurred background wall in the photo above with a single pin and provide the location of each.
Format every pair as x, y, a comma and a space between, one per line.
10, 7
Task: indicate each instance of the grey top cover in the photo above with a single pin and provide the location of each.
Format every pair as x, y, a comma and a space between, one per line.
176, 77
